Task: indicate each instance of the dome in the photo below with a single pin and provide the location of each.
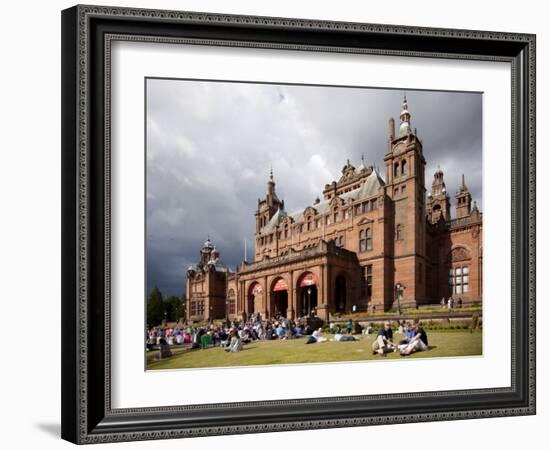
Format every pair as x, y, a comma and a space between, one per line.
208, 245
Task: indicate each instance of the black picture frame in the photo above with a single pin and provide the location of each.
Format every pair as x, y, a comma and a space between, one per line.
87, 415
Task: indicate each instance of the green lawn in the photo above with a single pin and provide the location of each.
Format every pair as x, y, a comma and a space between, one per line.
450, 343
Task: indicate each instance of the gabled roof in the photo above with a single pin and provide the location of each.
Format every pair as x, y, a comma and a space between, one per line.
368, 188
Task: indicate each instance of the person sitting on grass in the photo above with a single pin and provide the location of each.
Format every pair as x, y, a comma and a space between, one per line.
350, 326
206, 340
418, 343
164, 349
384, 341
235, 342
409, 334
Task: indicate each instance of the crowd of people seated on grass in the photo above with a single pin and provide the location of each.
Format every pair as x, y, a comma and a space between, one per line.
233, 335
415, 339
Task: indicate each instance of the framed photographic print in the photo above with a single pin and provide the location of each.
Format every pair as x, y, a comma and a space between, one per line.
270, 224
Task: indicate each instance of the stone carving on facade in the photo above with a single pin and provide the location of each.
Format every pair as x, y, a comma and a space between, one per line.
459, 254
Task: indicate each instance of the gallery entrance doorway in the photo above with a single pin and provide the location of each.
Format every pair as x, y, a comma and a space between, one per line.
307, 294
340, 293
279, 296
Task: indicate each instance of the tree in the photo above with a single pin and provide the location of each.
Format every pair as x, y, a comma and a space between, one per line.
182, 308
172, 305
155, 307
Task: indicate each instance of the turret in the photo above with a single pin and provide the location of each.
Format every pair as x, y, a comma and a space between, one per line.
438, 205
463, 200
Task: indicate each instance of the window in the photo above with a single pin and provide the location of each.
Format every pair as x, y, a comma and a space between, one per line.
200, 307
346, 214
193, 308
368, 279
399, 232
286, 231
336, 216
357, 210
396, 170
318, 223
396, 191
459, 280
301, 228
366, 207
327, 220
374, 205
369, 239
231, 302
404, 167
340, 241
309, 224
362, 240
403, 188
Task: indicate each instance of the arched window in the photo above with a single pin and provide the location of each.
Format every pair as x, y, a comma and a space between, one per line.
404, 167
335, 215
369, 239
362, 240
286, 231
398, 232
396, 170
309, 223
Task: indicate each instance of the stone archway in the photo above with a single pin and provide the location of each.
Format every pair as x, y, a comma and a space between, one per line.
340, 294
255, 290
306, 294
279, 298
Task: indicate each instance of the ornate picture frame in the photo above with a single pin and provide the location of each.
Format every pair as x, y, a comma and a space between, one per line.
87, 35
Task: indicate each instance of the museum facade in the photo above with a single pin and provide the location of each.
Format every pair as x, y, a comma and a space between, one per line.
372, 242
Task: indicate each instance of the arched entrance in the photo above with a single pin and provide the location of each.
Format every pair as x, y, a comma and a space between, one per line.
254, 290
340, 295
279, 298
306, 290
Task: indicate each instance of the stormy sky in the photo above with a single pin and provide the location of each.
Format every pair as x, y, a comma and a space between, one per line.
210, 146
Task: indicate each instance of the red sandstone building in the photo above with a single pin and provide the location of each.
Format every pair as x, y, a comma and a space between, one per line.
371, 240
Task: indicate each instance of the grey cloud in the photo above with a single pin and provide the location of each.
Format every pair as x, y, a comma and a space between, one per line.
210, 147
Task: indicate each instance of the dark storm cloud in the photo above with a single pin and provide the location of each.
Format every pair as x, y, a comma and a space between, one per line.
210, 147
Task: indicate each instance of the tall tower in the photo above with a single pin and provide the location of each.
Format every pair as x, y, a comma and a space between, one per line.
268, 206
405, 166
463, 201
439, 204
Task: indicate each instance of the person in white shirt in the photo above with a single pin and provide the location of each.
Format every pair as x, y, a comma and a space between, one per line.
317, 335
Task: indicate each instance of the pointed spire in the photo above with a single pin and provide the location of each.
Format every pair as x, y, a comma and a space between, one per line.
463, 185
405, 116
271, 174
362, 166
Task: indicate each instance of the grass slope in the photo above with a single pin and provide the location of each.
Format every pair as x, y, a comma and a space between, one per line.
457, 343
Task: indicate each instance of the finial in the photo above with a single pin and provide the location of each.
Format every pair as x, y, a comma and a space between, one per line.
271, 173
